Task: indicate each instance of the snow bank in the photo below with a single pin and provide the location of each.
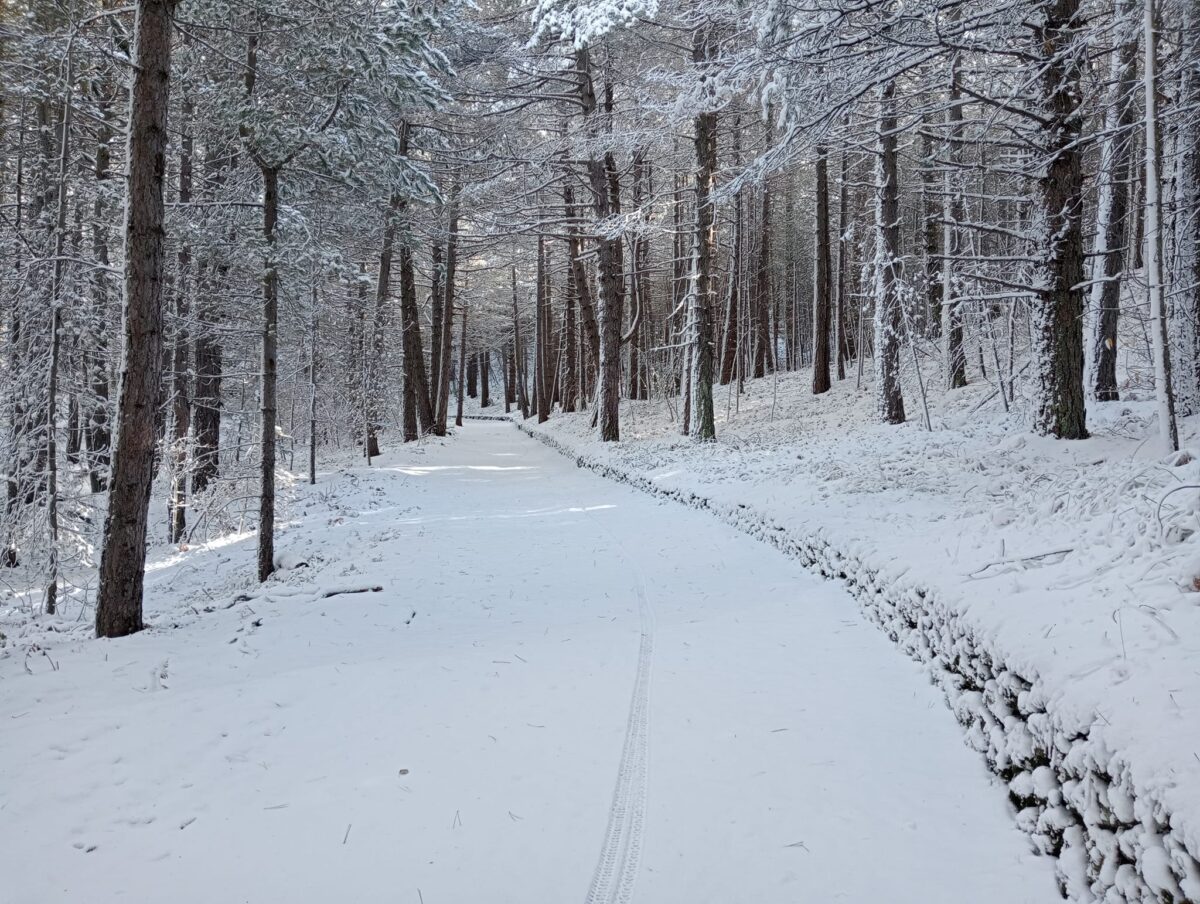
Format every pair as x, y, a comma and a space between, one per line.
1088, 726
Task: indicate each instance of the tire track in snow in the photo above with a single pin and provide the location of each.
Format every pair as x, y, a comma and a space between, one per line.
621, 853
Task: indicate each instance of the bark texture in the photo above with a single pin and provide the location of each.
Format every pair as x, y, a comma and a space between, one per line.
122, 562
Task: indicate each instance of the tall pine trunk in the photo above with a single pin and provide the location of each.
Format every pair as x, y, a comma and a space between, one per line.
1058, 308
269, 375
123, 561
1155, 270
954, 358
181, 407
608, 264
702, 426
888, 396
822, 302
1112, 214
446, 338
843, 310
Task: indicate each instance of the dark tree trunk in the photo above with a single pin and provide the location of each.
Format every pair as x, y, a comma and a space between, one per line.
314, 361
1058, 337
518, 352
843, 309
181, 407
97, 434
763, 353
510, 378
703, 426
609, 266
436, 325
1112, 219
570, 391
583, 289
123, 561
931, 215
270, 326
206, 395
462, 366
485, 367
822, 303
732, 309
638, 282
955, 210
410, 346
447, 335
541, 339
889, 400
418, 407
506, 374
383, 288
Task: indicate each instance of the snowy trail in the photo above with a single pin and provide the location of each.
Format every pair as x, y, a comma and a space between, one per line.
616, 871
503, 743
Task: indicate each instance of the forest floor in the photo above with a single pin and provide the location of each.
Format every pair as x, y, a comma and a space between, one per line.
484, 675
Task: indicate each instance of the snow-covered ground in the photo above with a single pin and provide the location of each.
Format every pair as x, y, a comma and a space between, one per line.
1072, 564
488, 676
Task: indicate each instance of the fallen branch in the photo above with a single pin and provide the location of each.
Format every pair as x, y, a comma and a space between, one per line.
1022, 560
328, 593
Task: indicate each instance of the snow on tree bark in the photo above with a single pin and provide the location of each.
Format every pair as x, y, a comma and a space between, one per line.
889, 398
1112, 213
122, 562
1059, 408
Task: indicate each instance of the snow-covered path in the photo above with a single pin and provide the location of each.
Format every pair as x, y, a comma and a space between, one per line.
599, 698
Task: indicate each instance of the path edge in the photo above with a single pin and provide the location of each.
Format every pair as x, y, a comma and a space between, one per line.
1073, 797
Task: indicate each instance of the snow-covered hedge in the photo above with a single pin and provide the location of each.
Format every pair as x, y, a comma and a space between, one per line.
1113, 842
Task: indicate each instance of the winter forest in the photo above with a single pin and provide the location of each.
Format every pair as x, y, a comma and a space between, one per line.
605, 450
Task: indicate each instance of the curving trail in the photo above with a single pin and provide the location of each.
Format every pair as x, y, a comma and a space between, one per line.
562, 691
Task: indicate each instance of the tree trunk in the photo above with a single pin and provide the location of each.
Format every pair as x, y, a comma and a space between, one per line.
953, 211
485, 367
822, 303
447, 337
1155, 270
506, 374
888, 396
97, 433
510, 378
418, 407
462, 366
313, 364
583, 289
702, 424
436, 325
270, 327
541, 339
1058, 309
730, 343
181, 408
570, 392
608, 264
383, 287
763, 353
843, 309
1112, 213
931, 213
123, 561
518, 351
206, 402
